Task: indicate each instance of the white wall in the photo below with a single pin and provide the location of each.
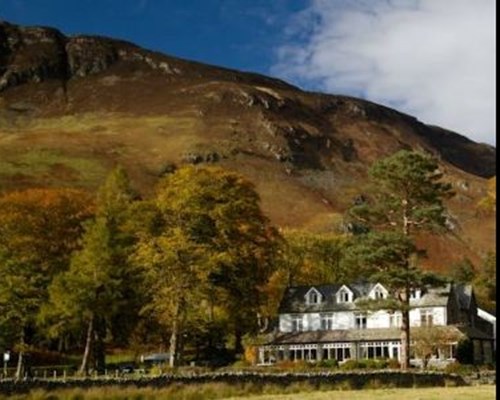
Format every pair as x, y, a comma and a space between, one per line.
312, 321
438, 316
492, 320
345, 319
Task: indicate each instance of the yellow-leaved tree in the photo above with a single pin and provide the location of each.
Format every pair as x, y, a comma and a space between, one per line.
207, 253
39, 229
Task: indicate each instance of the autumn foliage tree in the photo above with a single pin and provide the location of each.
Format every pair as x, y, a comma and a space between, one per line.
209, 233
39, 229
90, 293
313, 258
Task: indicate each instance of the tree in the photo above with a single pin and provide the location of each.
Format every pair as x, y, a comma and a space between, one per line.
488, 203
463, 271
312, 258
432, 339
97, 285
305, 258
407, 196
176, 276
214, 216
486, 283
88, 292
39, 228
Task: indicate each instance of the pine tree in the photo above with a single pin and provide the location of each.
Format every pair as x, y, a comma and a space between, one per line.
408, 196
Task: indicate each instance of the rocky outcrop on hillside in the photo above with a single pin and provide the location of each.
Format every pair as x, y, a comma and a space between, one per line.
36, 54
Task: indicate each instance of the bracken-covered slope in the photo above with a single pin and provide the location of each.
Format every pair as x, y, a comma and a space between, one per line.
72, 107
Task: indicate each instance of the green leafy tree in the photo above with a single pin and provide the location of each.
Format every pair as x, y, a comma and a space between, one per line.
88, 292
97, 287
463, 271
486, 283
407, 196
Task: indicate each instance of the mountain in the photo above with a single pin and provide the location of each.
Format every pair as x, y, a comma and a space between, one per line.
73, 107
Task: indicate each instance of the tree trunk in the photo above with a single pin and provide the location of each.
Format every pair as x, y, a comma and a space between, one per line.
172, 357
88, 346
238, 345
20, 365
405, 315
99, 347
405, 331
20, 358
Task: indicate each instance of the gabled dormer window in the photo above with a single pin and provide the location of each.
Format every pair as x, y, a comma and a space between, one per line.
415, 294
378, 292
313, 296
344, 295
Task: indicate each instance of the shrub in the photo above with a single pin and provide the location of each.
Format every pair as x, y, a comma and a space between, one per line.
295, 365
460, 369
251, 355
393, 363
487, 367
328, 364
370, 363
352, 364
240, 364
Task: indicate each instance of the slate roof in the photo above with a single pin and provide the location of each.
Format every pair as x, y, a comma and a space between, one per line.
338, 335
294, 298
474, 333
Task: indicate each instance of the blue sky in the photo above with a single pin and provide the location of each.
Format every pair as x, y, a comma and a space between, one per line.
433, 59
241, 34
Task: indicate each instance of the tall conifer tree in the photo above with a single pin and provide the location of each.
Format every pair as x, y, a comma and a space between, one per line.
408, 196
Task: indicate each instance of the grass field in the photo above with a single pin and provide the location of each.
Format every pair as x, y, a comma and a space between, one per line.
484, 392
218, 391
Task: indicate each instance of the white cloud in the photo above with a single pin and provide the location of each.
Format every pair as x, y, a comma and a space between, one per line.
434, 59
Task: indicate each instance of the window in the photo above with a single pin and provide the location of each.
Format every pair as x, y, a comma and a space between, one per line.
326, 322
297, 323
303, 352
394, 320
343, 296
374, 350
379, 294
426, 318
337, 351
313, 297
414, 294
360, 321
